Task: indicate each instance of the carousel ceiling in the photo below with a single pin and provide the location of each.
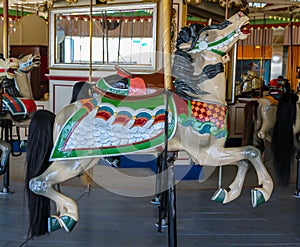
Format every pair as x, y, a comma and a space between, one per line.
257, 9
270, 12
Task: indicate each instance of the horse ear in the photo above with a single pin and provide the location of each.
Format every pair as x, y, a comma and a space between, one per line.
209, 22
123, 72
185, 46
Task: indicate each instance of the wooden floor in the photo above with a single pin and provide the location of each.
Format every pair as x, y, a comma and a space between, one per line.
112, 219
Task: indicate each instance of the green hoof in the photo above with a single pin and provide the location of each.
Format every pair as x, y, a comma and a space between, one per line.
53, 223
67, 222
219, 195
257, 198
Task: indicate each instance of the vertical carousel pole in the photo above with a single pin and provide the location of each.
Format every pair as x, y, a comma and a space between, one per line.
5, 28
91, 41
220, 167
166, 13
5, 190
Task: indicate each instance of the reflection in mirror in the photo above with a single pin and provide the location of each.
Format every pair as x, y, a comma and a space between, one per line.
120, 36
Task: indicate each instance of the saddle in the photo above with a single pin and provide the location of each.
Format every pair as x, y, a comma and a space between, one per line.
124, 83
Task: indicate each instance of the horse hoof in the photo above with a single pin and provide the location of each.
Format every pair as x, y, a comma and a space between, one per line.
53, 223
219, 195
164, 223
67, 222
257, 197
155, 201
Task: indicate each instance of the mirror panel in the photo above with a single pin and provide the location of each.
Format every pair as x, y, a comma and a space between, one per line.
124, 35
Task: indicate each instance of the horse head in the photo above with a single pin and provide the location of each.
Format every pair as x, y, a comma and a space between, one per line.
217, 38
29, 62
201, 54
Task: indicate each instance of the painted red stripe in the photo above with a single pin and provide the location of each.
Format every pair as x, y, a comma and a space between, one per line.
13, 102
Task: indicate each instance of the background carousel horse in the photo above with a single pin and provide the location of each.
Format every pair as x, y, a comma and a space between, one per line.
19, 85
8, 68
251, 83
15, 108
196, 123
12, 108
259, 120
260, 116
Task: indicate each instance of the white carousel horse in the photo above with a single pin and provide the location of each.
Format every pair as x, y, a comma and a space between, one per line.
19, 85
13, 108
260, 114
8, 68
196, 120
17, 100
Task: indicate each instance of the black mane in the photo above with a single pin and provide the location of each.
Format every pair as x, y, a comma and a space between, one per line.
183, 68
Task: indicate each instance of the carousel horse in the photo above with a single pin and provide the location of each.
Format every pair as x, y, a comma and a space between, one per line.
259, 120
19, 85
8, 68
13, 109
17, 101
260, 116
250, 83
16, 109
112, 124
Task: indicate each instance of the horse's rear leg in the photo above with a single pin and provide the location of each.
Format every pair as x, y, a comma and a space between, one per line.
259, 194
58, 172
223, 195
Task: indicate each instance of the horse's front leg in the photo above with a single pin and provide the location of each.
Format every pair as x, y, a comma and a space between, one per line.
60, 171
235, 188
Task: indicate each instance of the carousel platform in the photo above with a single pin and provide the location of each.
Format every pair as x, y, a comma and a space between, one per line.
117, 215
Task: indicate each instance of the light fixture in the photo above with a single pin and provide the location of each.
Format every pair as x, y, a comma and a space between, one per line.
276, 58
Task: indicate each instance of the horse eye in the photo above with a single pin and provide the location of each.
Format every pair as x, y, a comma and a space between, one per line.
206, 35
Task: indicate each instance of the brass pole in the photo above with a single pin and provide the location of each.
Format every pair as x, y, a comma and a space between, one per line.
291, 48
91, 41
166, 13
5, 28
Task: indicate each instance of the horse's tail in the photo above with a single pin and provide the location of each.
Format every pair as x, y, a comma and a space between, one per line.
283, 138
250, 115
39, 146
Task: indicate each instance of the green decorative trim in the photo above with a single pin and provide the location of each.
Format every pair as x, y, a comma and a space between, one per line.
221, 53
104, 86
68, 222
53, 223
257, 198
59, 152
220, 41
202, 127
219, 195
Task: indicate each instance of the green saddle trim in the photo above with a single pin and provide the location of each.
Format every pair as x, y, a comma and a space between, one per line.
131, 110
106, 87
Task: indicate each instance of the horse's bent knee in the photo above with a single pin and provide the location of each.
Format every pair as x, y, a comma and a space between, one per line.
261, 135
251, 152
38, 186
